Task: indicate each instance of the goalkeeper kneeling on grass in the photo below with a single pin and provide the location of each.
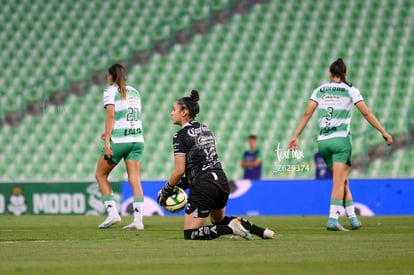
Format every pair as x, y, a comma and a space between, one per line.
195, 156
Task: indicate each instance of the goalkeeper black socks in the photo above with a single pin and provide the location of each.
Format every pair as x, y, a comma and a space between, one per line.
254, 229
207, 232
221, 228
225, 221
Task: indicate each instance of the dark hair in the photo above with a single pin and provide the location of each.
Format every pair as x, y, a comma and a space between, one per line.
191, 103
252, 137
338, 69
118, 73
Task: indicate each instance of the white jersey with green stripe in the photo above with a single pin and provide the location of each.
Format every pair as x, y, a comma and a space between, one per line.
335, 101
128, 122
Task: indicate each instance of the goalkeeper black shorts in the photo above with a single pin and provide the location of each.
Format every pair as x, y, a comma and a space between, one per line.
209, 191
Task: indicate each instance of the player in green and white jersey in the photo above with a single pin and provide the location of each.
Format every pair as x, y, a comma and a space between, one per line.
334, 101
123, 140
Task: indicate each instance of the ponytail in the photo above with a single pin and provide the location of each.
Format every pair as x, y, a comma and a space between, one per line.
195, 95
338, 69
118, 73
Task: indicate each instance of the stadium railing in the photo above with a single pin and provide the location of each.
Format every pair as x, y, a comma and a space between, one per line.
105, 54
42, 84
365, 138
158, 30
410, 126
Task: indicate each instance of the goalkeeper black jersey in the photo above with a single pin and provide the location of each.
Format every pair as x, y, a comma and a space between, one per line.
196, 141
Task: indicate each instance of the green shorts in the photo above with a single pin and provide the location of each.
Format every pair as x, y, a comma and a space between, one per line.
128, 151
338, 149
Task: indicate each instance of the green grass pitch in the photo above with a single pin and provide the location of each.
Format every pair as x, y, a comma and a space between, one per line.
74, 245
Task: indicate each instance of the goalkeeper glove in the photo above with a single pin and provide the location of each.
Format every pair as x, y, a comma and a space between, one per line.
166, 191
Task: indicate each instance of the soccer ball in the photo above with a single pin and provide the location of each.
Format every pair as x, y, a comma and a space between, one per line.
177, 201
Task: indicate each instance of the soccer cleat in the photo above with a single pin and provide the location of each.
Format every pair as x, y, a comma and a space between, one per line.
135, 225
109, 221
239, 230
355, 223
335, 225
268, 234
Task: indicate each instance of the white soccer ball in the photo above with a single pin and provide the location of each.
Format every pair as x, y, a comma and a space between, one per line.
176, 202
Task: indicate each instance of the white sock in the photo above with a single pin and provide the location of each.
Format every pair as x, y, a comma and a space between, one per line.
138, 206
350, 211
334, 211
111, 208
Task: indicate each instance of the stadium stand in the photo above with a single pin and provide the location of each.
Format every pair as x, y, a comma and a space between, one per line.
255, 75
56, 36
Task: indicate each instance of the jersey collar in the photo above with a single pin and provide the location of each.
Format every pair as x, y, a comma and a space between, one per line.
187, 124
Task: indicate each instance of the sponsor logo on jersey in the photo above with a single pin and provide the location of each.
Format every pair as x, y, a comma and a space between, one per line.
339, 89
331, 98
196, 131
